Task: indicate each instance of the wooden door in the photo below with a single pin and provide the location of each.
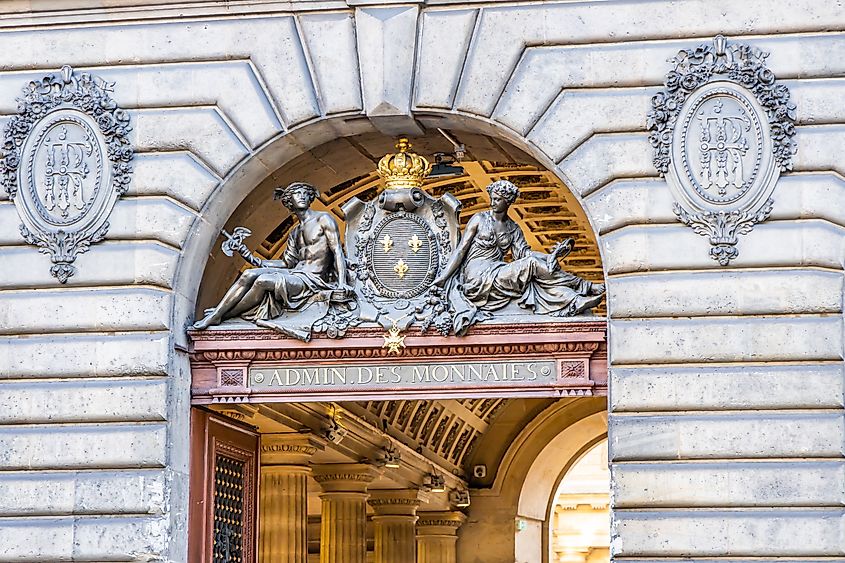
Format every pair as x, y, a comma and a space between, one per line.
224, 479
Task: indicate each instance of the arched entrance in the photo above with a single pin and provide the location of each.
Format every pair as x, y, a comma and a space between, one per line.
726, 417
580, 514
455, 442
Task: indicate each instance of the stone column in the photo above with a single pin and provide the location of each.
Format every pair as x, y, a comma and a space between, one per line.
343, 525
395, 516
283, 508
437, 534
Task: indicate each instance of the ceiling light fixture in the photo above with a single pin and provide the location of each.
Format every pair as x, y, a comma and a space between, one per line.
390, 457
445, 163
459, 498
435, 483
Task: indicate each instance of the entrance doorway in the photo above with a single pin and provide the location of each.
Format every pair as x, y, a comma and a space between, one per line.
411, 463
435, 450
580, 517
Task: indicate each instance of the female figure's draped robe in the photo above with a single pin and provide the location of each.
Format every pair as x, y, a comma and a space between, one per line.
489, 283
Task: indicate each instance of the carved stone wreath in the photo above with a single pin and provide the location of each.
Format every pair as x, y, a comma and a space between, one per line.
722, 178
65, 160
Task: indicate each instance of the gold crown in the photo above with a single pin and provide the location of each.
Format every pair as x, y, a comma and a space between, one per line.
403, 169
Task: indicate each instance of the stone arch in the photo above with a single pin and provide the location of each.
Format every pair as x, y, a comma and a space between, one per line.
275, 153
526, 481
565, 471
542, 479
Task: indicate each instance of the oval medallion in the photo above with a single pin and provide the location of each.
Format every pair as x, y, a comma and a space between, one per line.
720, 141
722, 132
63, 167
64, 162
404, 258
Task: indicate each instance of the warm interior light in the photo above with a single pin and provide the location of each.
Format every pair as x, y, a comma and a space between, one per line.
436, 483
459, 498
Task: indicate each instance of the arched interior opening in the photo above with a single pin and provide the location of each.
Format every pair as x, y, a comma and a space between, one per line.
489, 462
580, 517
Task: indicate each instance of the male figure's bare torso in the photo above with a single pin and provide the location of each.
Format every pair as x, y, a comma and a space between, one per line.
313, 261
313, 240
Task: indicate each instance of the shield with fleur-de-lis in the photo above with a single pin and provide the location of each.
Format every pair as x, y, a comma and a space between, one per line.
397, 245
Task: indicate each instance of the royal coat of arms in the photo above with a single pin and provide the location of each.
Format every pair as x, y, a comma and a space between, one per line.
399, 242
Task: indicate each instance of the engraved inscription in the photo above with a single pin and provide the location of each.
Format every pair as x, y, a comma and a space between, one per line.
429, 376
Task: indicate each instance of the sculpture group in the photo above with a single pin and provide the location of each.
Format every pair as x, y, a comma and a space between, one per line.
405, 262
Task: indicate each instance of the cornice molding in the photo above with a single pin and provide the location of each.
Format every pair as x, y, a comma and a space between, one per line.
139, 12
370, 353
598, 326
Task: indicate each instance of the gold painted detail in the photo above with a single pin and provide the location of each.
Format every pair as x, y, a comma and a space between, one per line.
446, 522
415, 243
394, 501
288, 448
403, 169
386, 242
401, 268
394, 340
328, 477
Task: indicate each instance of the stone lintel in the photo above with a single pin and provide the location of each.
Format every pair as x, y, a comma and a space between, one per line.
395, 502
440, 523
345, 477
289, 448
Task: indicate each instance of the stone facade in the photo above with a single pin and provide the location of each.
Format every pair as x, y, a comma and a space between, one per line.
726, 425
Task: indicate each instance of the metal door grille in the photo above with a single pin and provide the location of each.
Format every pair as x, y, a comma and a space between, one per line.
228, 510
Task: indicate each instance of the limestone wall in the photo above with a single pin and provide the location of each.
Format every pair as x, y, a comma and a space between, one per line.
726, 426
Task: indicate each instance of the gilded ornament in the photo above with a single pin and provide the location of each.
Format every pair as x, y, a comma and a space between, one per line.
386, 242
394, 340
403, 169
401, 268
415, 243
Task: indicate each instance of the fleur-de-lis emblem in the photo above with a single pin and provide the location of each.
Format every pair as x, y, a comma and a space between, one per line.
401, 268
386, 242
415, 243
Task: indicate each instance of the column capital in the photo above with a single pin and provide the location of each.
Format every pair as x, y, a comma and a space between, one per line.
395, 502
345, 477
289, 448
440, 523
